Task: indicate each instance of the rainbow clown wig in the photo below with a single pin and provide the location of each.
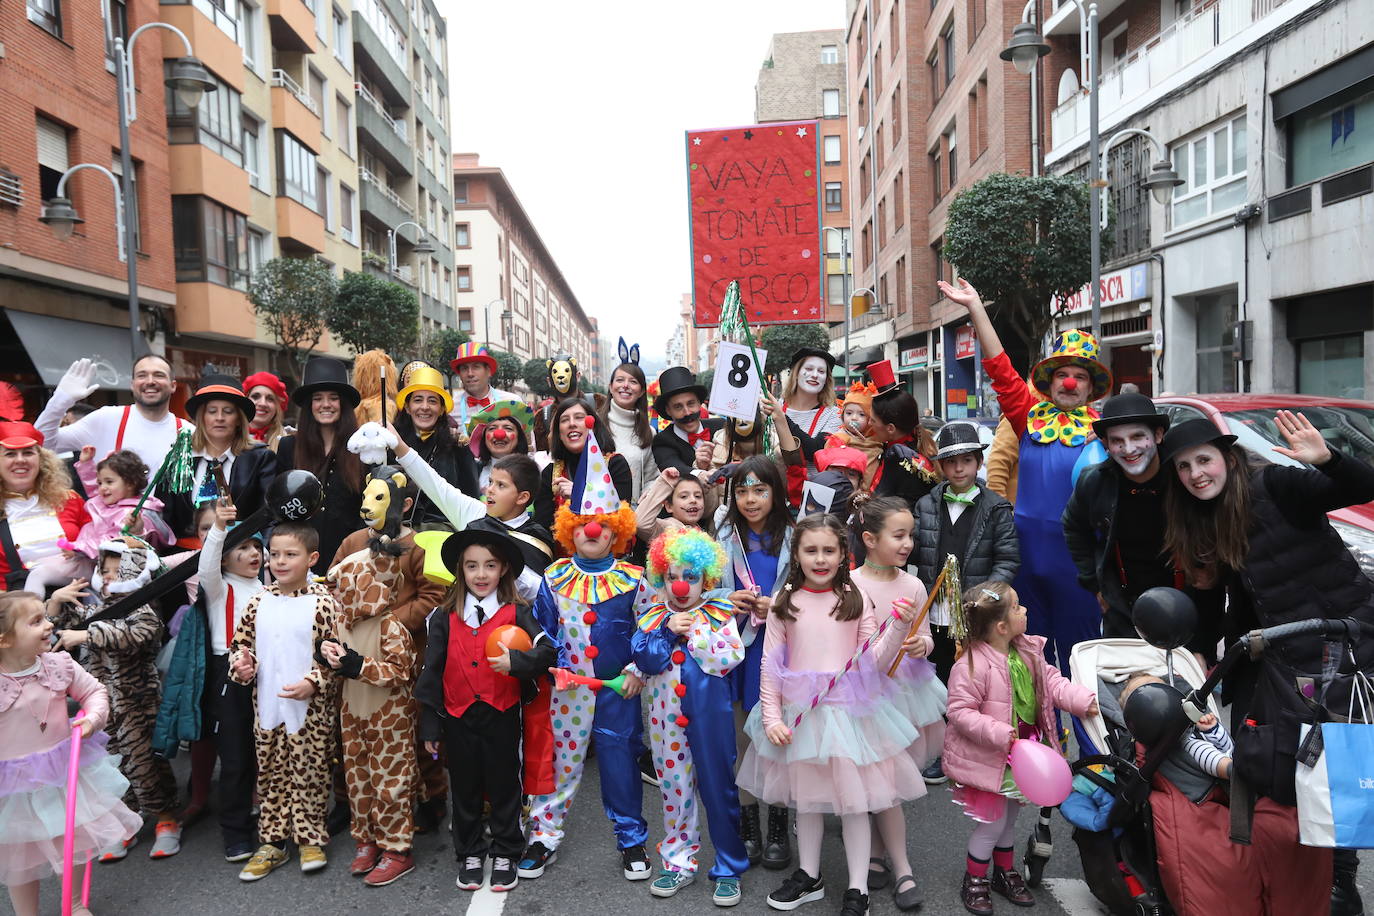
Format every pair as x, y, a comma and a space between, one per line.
594, 499
687, 547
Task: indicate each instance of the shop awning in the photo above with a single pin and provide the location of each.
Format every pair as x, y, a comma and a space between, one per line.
53, 344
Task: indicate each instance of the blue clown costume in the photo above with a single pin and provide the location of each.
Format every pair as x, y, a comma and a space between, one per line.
1052, 442
693, 733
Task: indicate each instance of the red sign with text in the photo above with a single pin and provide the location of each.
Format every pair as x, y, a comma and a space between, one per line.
756, 219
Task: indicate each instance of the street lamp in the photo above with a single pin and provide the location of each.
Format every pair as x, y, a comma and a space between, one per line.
486, 318
61, 217
1162, 181
423, 246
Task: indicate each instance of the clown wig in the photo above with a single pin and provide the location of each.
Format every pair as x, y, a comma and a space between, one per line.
689, 547
622, 521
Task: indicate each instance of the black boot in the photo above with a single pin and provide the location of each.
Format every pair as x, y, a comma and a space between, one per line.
777, 852
749, 832
1345, 894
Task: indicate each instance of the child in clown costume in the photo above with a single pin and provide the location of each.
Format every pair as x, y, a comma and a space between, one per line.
589, 603
686, 646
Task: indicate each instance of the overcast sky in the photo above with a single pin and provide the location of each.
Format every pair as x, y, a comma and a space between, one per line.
584, 105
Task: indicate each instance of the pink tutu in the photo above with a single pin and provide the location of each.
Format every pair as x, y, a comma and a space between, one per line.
850, 753
920, 696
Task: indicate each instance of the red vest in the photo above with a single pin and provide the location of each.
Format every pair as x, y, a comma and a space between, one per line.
468, 677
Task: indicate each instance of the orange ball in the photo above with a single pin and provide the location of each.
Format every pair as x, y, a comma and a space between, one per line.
509, 636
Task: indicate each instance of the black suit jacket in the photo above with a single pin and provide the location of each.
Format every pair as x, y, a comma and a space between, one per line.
249, 477
672, 451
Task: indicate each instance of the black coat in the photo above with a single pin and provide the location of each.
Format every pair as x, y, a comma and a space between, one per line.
338, 518
545, 504
250, 476
672, 451
902, 474
455, 464
993, 553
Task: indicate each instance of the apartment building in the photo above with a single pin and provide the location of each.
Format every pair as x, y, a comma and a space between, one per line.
511, 294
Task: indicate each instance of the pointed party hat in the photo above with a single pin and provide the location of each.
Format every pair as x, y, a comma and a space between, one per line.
593, 493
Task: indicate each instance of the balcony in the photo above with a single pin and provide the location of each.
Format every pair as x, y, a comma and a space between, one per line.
211, 310
388, 136
196, 169
215, 47
371, 54
384, 206
295, 111
1186, 49
292, 24
298, 224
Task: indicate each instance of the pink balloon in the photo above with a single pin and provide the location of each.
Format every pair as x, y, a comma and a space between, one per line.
1041, 772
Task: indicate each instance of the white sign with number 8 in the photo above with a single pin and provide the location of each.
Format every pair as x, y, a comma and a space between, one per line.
735, 386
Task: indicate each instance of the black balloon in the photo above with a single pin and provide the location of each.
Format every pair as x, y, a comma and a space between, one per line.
1154, 712
1164, 617
295, 496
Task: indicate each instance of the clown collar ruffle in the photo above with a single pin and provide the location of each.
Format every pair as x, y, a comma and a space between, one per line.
564, 578
717, 611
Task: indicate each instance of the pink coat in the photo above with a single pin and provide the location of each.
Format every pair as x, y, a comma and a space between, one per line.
978, 738
33, 710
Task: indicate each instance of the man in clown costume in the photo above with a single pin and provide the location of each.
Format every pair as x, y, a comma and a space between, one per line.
590, 603
475, 367
1054, 428
686, 646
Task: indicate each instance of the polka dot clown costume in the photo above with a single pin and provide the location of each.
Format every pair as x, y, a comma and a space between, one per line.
589, 602
686, 646
1053, 438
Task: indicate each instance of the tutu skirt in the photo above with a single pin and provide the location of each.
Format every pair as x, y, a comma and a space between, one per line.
920, 697
33, 809
984, 806
850, 753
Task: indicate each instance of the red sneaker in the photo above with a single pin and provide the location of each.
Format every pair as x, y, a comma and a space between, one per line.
393, 866
365, 859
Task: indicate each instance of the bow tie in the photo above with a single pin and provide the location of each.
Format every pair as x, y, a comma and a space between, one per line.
962, 498
476, 403
1046, 423
703, 436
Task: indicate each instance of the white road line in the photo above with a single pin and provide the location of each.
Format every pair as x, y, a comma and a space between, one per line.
1073, 895
486, 902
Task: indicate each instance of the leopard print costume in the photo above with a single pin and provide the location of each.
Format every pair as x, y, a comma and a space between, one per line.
293, 766
377, 716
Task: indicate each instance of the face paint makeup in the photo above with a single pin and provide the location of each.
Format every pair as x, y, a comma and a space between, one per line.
751, 480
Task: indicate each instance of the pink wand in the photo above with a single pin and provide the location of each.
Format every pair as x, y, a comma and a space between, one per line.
563, 679
848, 666
69, 839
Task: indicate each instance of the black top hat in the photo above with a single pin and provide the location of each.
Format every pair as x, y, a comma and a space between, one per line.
959, 438
1190, 433
325, 373
1128, 408
676, 380
804, 352
219, 388
505, 548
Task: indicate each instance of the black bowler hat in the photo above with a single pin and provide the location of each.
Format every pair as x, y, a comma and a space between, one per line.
220, 388
1128, 408
325, 373
804, 352
1200, 431
960, 438
504, 547
676, 380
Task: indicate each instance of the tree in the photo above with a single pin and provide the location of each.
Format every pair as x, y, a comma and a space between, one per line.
508, 368
535, 372
372, 312
782, 340
290, 297
441, 347
1021, 242
706, 378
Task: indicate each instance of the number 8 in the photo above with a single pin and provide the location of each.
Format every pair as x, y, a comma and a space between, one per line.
739, 371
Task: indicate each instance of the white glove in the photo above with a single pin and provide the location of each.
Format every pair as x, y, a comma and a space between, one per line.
371, 442
78, 381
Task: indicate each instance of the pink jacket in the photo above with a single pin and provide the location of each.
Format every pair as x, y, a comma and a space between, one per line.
978, 738
33, 709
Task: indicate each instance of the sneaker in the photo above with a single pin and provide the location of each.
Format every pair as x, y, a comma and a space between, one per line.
312, 858
503, 874
364, 859
635, 862
392, 867
1010, 884
537, 858
238, 852
934, 775
727, 892
669, 883
119, 850
855, 903
647, 772
976, 895
470, 875
266, 860
167, 842
796, 890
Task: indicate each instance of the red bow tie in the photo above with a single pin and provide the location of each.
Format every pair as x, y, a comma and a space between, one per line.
475, 403
703, 436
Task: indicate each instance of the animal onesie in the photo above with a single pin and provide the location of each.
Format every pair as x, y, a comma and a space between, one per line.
589, 607
376, 716
294, 739
693, 732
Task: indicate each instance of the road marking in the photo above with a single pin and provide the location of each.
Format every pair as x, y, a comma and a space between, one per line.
486, 902
1073, 895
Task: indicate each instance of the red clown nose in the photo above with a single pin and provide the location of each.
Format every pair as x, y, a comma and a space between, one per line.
680, 589
498, 436
592, 530
1070, 384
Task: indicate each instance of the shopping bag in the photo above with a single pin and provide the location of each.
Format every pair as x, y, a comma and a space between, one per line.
1335, 777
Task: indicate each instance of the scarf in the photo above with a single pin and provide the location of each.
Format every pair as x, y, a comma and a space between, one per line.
1023, 701
1046, 423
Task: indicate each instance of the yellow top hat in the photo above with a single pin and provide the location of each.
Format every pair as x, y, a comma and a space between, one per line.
425, 378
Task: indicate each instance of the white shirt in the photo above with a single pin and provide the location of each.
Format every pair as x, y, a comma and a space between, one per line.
827, 422
476, 612
215, 583
150, 441
34, 528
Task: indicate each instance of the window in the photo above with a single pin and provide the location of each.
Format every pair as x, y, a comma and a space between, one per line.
834, 196
518, 268
830, 54
346, 204
877, 71
896, 114
47, 14
462, 237
447, 289
341, 41
942, 267
296, 171
1322, 139
933, 65
947, 49
1216, 318
901, 285
830, 103
343, 117
953, 138
834, 289
1332, 366
832, 150
880, 148
53, 141
936, 175
393, 36
864, 183
210, 241
323, 196
249, 30
259, 250
882, 224
117, 167
217, 122
117, 14
464, 274
977, 18
1212, 166
253, 159
978, 119
894, 27
898, 200
318, 90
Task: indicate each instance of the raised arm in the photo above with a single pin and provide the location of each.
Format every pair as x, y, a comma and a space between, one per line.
458, 507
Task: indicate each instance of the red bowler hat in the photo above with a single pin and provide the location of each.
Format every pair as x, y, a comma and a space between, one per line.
17, 434
883, 378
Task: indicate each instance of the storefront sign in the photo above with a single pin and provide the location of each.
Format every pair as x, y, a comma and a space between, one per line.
963, 342
190, 365
915, 358
1129, 284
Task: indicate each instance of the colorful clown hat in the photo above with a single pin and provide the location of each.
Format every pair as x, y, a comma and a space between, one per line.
518, 411
1073, 348
471, 352
593, 492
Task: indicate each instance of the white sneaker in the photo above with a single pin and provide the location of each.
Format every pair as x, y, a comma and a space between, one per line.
167, 842
118, 851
